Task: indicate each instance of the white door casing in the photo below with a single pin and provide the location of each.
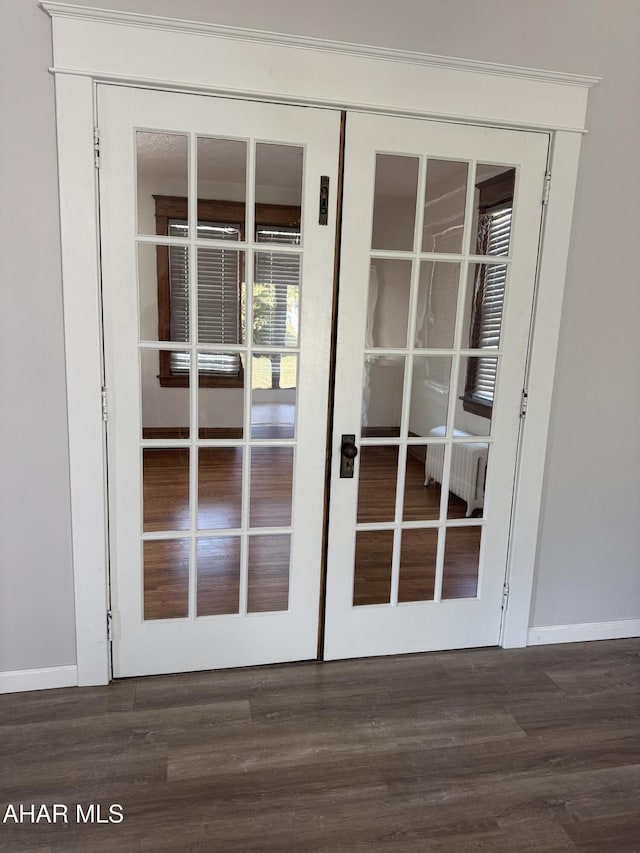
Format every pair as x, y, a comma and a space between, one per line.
95, 45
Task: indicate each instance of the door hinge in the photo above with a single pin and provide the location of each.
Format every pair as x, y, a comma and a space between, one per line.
109, 625
105, 410
546, 187
96, 147
505, 596
523, 402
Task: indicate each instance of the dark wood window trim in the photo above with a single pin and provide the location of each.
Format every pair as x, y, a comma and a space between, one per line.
493, 193
209, 210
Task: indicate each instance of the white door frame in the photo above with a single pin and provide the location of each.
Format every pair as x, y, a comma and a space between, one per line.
92, 45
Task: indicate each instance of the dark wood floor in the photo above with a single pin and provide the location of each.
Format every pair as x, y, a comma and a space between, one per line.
504, 751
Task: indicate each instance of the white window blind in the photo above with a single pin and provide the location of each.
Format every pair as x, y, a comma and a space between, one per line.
218, 299
220, 313
494, 235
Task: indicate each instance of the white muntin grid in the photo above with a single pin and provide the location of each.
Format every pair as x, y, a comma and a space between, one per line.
249, 248
455, 355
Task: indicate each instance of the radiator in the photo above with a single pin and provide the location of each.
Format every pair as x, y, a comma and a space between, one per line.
468, 468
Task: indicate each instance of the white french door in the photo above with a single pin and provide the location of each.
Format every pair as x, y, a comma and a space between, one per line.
218, 244
217, 267
439, 244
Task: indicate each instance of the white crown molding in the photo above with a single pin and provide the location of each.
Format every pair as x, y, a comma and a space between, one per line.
68, 10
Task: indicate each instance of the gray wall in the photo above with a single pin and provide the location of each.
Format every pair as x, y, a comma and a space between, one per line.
589, 550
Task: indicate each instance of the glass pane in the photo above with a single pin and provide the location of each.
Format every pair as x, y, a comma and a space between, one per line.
278, 192
422, 482
219, 276
484, 305
444, 206
162, 170
164, 391
221, 394
394, 202
165, 488
493, 207
166, 578
429, 395
388, 308
467, 479
437, 303
418, 553
383, 382
163, 293
271, 486
476, 392
268, 580
219, 487
377, 484
276, 299
273, 395
218, 590
372, 570
222, 181
461, 562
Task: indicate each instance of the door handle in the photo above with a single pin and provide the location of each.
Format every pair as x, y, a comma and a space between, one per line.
348, 452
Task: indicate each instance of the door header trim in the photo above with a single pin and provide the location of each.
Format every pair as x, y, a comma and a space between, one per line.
120, 47
158, 22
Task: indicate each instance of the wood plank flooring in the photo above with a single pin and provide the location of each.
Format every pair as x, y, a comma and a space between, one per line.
505, 751
166, 508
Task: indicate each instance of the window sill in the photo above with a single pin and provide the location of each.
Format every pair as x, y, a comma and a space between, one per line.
475, 406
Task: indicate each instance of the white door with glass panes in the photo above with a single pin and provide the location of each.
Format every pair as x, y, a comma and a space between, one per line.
217, 268
439, 246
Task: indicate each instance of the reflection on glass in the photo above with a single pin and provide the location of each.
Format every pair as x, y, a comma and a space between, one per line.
165, 488
276, 299
493, 209
461, 562
437, 303
388, 307
162, 169
278, 182
164, 392
219, 487
484, 305
218, 586
222, 170
219, 274
467, 479
476, 394
423, 477
444, 206
166, 578
271, 486
220, 394
429, 395
163, 293
268, 575
394, 202
273, 395
377, 483
383, 382
372, 569
418, 553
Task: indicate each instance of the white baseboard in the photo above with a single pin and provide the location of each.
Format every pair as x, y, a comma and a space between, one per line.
618, 629
38, 679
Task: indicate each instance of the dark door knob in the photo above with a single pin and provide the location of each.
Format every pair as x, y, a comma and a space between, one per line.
348, 451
